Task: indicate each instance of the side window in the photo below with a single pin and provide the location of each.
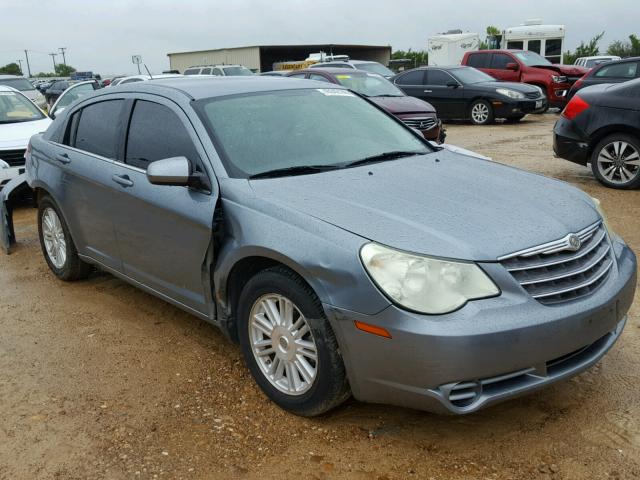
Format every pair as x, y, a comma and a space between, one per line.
553, 50
620, 70
534, 46
515, 45
191, 71
415, 77
297, 75
320, 78
98, 128
499, 61
438, 77
155, 132
130, 80
206, 71
478, 60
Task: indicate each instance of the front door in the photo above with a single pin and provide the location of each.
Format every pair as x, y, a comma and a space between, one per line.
498, 68
445, 93
164, 232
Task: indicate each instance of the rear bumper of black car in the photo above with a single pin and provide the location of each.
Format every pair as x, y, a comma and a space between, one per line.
570, 144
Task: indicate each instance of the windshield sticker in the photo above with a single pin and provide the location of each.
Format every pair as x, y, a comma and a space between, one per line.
334, 92
343, 76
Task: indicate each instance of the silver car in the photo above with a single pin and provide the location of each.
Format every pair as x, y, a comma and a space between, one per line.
343, 252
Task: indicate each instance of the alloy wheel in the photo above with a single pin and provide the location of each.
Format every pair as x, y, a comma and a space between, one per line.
619, 162
282, 344
55, 243
480, 113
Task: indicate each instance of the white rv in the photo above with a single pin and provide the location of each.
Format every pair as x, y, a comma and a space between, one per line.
547, 40
449, 48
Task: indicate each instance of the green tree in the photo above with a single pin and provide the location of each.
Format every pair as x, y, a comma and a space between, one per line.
588, 49
64, 70
625, 49
10, 69
418, 57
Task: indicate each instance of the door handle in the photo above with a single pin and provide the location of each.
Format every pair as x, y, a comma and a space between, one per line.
123, 180
428, 91
63, 158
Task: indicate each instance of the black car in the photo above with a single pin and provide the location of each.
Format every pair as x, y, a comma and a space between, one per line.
465, 93
601, 126
609, 72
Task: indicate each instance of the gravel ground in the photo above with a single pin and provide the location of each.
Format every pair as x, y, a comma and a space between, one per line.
100, 380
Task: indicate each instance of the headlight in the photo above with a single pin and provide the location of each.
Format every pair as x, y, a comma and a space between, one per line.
424, 284
510, 93
559, 78
600, 210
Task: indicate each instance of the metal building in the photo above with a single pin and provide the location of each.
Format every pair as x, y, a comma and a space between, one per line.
262, 58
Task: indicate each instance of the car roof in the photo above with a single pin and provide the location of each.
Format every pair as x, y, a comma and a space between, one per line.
154, 77
335, 71
217, 65
200, 86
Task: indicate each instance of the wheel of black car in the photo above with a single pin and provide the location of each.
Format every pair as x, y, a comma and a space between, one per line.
57, 245
288, 344
615, 161
481, 112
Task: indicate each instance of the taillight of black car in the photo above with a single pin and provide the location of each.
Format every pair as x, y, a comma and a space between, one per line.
575, 107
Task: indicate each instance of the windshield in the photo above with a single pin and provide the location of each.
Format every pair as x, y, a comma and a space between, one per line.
375, 67
237, 71
320, 127
14, 107
21, 84
73, 94
369, 84
470, 75
531, 59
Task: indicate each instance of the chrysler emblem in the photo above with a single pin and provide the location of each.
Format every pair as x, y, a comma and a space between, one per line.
574, 242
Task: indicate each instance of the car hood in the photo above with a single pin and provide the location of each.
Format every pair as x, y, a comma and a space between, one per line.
17, 135
402, 105
442, 204
568, 70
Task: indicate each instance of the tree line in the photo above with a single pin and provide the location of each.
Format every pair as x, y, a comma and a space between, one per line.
61, 70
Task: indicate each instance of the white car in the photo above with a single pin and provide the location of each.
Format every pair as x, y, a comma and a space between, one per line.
20, 118
590, 62
146, 78
26, 87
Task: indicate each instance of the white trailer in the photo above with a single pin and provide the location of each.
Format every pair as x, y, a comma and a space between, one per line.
547, 40
448, 49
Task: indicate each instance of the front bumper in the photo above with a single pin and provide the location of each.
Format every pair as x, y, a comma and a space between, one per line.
486, 352
569, 143
515, 108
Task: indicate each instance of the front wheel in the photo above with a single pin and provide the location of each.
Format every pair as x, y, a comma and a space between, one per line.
481, 112
288, 344
615, 162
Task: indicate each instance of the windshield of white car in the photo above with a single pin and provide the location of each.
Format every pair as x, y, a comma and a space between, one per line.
470, 75
322, 128
369, 84
237, 71
21, 84
374, 67
15, 107
532, 59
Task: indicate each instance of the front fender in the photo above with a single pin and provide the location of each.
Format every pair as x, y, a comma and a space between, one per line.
8, 197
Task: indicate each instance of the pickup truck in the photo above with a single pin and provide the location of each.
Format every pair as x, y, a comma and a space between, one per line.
527, 67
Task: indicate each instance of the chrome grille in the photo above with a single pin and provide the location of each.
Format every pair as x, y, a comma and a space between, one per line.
15, 158
559, 271
421, 123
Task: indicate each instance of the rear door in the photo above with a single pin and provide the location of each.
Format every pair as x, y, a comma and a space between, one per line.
413, 83
498, 68
164, 232
441, 93
87, 156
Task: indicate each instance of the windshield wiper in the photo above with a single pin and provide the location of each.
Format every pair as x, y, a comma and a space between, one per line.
296, 170
387, 95
382, 157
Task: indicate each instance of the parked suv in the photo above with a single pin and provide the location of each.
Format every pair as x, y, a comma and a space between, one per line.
527, 67
343, 251
219, 70
610, 72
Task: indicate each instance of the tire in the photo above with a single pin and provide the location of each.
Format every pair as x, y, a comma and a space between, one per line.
617, 170
515, 119
481, 112
57, 245
325, 385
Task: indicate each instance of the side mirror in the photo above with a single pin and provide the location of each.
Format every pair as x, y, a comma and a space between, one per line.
170, 171
512, 66
453, 85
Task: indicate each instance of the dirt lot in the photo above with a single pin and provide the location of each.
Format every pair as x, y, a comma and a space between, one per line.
100, 380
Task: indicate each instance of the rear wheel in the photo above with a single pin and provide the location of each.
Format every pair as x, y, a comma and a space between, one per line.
288, 344
57, 246
615, 161
481, 112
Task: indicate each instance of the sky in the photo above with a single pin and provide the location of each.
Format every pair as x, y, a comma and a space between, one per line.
101, 36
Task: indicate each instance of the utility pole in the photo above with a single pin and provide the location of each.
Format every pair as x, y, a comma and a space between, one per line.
20, 63
28, 67
64, 60
53, 57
